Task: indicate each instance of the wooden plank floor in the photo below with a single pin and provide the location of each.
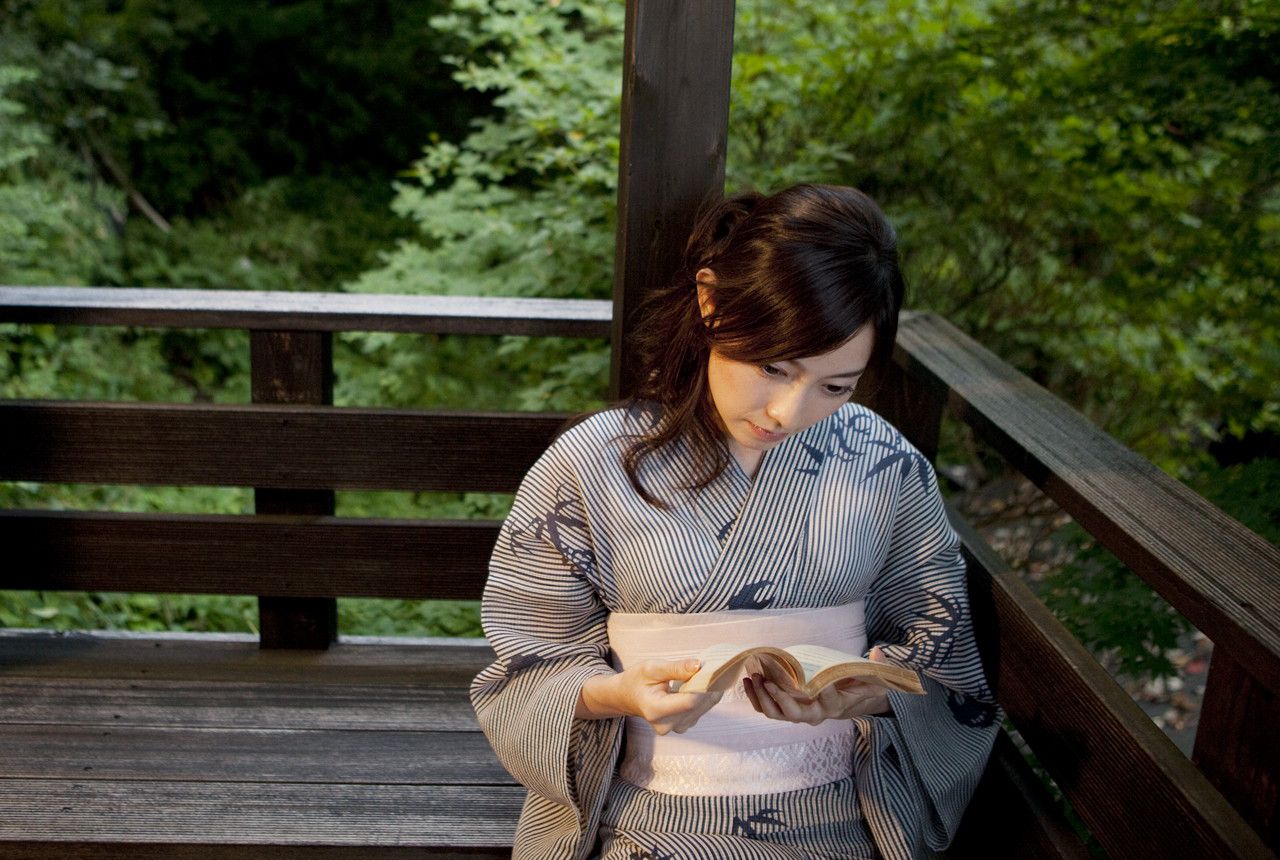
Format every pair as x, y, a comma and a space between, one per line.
184, 746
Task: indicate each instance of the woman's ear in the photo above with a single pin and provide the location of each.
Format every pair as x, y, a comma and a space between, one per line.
705, 280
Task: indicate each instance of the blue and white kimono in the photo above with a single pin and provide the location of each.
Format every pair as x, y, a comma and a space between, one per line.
846, 510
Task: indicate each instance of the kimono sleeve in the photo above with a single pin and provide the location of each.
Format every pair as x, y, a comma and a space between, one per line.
917, 769
547, 626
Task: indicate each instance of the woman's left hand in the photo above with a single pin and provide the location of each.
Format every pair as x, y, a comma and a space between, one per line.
840, 701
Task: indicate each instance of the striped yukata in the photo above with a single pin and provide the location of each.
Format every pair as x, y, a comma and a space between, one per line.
847, 510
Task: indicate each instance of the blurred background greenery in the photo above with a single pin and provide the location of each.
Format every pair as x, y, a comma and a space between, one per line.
1087, 189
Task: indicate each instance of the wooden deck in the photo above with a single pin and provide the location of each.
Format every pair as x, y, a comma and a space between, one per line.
175, 745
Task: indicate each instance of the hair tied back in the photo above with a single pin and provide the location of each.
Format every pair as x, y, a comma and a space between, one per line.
716, 224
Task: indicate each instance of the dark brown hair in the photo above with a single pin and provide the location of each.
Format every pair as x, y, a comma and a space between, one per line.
798, 273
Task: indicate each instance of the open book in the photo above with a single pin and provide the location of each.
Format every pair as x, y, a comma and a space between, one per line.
801, 669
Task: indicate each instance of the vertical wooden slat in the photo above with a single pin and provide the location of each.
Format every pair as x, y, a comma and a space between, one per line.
1238, 743
294, 367
675, 118
909, 404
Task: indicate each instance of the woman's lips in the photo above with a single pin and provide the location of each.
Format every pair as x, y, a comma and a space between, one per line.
765, 435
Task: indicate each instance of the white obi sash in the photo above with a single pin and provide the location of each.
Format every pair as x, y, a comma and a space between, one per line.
733, 750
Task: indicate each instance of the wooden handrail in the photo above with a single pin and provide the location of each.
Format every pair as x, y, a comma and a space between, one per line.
1122, 775
1220, 575
302, 311
1223, 577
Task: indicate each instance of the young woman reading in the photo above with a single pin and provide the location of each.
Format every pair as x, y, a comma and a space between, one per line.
739, 497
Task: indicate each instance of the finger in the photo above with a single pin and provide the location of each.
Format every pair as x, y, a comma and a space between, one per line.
796, 709
752, 695
670, 670
787, 706
876, 655
768, 706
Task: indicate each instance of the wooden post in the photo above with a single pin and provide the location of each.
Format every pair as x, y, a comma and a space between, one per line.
677, 60
1237, 746
294, 367
907, 403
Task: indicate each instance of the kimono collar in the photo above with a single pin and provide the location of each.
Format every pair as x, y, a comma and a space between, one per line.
762, 548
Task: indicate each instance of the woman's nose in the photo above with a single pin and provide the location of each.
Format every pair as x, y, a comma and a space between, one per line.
785, 407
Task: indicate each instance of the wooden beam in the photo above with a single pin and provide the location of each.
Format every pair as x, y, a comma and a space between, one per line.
1237, 745
268, 310
281, 446
1135, 791
1013, 802
675, 119
160, 819
277, 556
1223, 577
294, 367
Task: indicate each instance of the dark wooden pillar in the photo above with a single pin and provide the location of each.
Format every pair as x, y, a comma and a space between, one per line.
907, 402
1238, 743
675, 121
294, 367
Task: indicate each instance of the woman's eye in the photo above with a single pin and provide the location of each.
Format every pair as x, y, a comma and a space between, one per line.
772, 370
839, 390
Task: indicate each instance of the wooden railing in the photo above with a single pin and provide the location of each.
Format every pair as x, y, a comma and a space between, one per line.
290, 445
1135, 792
1124, 778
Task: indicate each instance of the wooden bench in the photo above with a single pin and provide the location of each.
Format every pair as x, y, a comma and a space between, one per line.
300, 745
203, 745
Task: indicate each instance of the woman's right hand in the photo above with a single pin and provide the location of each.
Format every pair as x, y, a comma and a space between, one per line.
643, 691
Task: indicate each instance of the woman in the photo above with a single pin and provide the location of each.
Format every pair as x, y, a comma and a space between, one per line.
739, 497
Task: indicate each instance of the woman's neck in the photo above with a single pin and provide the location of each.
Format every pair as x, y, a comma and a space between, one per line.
747, 458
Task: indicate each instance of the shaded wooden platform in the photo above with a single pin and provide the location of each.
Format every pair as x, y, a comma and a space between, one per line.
129, 745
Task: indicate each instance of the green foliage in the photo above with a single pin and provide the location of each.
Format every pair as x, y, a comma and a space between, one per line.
51, 224
120, 611
1113, 612
1089, 192
524, 206
360, 617
215, 613
285, 234
192, 102
1249, 492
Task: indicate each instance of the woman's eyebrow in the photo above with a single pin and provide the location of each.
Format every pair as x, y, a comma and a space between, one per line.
800, 364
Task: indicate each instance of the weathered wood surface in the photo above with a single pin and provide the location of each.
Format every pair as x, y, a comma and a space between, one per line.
268, 445
394, 663
1136, 792
76, 701
294, 367
1223, 577
348, 750
249, 817
677, 61
281, 556
276, 310
1238, 743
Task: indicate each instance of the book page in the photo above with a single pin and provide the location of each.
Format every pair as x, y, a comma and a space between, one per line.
721, 665
815, 658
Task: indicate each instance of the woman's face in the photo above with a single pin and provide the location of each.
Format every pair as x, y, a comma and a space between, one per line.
759, 406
